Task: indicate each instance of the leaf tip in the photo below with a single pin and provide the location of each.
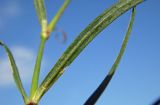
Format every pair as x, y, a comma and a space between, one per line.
1, 43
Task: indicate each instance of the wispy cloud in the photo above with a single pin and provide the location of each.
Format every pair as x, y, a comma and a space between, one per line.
25, 60
9, 9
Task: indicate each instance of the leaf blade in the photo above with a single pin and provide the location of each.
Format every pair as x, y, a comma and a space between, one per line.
98, 92
15, 72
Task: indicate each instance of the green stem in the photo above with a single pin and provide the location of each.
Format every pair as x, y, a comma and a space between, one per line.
44, 36
32, 103
35, 77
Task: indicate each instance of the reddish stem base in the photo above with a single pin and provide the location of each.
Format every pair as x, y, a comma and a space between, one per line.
31, 103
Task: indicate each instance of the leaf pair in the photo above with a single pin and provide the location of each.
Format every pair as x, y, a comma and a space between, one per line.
84, 38
46, 29
78, 45
41, 13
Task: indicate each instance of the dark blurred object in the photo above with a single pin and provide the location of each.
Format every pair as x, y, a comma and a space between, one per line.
62, 38
157, 102
98, 92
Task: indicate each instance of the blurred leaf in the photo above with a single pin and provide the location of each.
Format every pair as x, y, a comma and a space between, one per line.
98, 92
41, 12
85, 37
15, 72
157, 102
60, 35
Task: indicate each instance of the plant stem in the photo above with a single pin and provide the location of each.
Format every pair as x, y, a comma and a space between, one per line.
32, 104
35, 77
46, 31
58, 15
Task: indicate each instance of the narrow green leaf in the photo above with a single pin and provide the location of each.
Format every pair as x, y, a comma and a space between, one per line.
41, 12
58, 15
15, 72
85, 37
98, 92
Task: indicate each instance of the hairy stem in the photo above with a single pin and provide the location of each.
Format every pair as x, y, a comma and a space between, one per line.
36, 73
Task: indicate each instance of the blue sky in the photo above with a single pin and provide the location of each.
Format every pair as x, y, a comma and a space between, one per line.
135, 83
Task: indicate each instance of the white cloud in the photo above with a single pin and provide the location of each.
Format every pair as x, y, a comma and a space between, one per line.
9, 9
24, 58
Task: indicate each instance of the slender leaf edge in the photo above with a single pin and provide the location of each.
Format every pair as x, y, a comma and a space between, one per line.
15, 72
98, 92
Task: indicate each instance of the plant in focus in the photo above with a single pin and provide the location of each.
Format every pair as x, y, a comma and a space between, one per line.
76, 47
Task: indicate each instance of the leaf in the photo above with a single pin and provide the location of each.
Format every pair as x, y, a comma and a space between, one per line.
15, 72
85, 37
98, 92
157, 102
41, 12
